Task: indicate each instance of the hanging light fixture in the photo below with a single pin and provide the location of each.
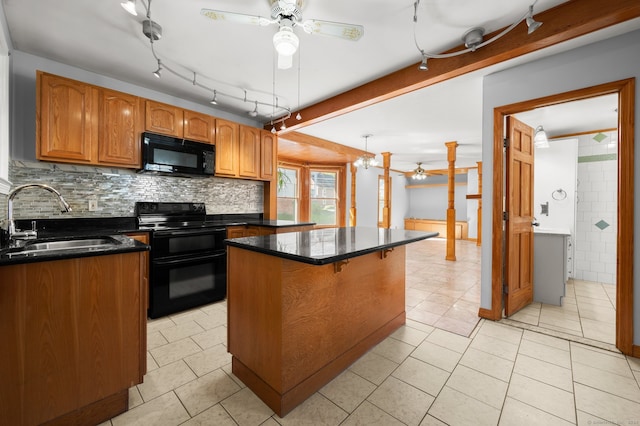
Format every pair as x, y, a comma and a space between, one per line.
540, 139
366, 160
214, 100
286, 43
158, 72
130, 6
254, 113
419, 173
473, 39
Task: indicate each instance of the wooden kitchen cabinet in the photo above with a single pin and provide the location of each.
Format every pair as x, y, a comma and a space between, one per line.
227, 153
73, 336
199, 127
164, 119
120, 126
249, 152
66, 120
180, 123
268, 155
235, 231
84, 124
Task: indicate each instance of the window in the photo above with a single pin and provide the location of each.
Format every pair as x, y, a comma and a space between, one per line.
323, 197
288, 194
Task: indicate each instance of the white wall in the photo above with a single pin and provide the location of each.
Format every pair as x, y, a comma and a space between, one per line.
367, 198
609, 60
472, 205
595, 245
555, 170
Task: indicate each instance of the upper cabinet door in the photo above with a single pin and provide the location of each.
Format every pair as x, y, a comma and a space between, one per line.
164, 119
119, 129
66, 120
199, 127
249, 165
268, 155
227, 147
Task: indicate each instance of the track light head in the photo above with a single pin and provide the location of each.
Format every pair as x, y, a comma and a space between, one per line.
130, 6
423, 65
254, 112
214, 100
532, 24
158, 72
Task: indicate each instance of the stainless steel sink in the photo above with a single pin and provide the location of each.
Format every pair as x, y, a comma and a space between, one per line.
33, 247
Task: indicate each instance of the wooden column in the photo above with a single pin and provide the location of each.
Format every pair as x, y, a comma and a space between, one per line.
386, 211
352, 209
451, 211
479, 232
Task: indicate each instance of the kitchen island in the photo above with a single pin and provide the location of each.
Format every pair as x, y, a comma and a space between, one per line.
303, 306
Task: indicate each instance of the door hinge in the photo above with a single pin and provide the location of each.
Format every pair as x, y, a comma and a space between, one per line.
505, 142
505, 288
505, 216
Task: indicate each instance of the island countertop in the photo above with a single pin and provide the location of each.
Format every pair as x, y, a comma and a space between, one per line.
329, 245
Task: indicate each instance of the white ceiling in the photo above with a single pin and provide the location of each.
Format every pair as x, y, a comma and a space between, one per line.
232, 58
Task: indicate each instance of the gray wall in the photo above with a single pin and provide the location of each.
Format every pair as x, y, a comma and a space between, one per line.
609, 60
431, 202
367, 198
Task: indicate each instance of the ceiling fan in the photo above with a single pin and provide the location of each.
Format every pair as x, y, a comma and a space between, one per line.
288, 15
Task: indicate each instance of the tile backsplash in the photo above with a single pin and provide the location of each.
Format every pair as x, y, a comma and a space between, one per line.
116, 190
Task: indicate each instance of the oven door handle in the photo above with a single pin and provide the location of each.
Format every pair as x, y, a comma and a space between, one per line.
188, 233
190, 259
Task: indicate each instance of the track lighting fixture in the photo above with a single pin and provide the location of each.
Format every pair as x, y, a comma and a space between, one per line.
153, 31
532, 24
298, 116
158, 72
254, 112
423, 65
130, 6
473, 39
273, 129
366, 160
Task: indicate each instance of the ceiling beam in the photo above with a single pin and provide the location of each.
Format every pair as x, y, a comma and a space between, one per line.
564, 22
322, 143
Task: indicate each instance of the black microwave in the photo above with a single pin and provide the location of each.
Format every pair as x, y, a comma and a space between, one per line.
175, 156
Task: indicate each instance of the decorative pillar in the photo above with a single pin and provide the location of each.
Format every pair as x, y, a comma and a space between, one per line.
352, 209
386, 211
451, 211
479, 221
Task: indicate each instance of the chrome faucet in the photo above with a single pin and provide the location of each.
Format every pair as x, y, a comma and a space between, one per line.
15, 234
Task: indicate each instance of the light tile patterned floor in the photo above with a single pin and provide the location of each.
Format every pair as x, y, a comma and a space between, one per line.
421, 375
588, 310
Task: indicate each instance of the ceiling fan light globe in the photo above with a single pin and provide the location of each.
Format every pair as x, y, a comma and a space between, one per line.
286, 41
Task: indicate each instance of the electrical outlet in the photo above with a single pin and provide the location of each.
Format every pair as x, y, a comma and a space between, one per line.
93, 205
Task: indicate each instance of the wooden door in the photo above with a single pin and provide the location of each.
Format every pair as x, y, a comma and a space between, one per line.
164, 119
268, 153
226, 148
199, 127
249, 149
119, 129
519, 217
66, 123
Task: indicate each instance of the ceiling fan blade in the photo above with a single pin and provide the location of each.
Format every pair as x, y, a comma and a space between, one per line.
333, 29
219, 15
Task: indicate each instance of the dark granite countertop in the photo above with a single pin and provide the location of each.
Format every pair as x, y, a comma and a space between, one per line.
16, 255
329, 245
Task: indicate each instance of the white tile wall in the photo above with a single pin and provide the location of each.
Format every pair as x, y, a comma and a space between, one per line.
595, 249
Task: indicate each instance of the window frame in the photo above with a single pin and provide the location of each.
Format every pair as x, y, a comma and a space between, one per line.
297, 197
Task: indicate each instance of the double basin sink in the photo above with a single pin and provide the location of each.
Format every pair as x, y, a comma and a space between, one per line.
52, 246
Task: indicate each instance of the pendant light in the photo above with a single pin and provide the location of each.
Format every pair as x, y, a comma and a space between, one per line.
366, 160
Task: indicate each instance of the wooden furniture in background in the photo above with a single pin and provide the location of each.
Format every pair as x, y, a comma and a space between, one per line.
74, 338
461, 229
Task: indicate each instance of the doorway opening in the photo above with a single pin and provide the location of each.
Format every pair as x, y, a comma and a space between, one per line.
625, 89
